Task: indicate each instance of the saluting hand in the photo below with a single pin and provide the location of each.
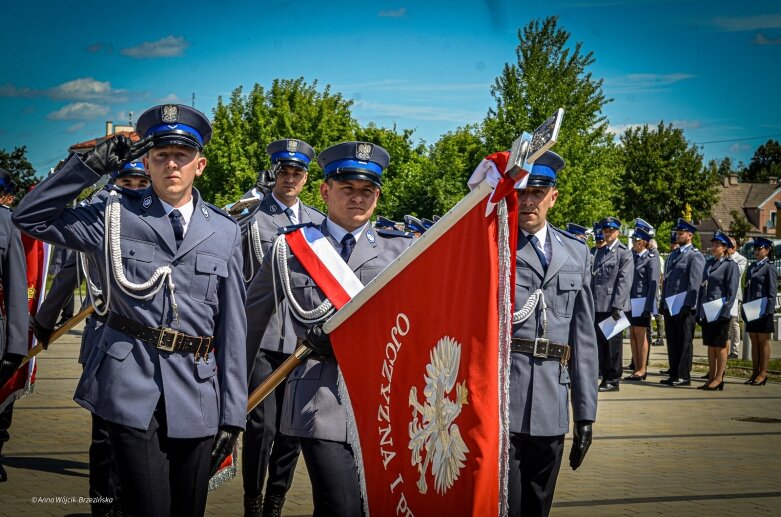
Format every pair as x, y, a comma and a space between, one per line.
110, 155
581, 441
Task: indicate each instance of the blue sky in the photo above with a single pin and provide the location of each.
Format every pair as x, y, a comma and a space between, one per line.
711, 67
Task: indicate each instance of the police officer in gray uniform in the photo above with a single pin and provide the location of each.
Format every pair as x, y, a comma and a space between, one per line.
682, 276
312, 409
169, 371
103, 476
263, 446
611, 281
13, 331
553, 353
645, 283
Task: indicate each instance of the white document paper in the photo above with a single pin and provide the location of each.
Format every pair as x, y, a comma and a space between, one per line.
638, 306
675, 302
611, 327
712, 309
755, 308
734, 311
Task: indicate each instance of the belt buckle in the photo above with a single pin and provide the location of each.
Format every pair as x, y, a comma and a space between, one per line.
541, 341
172, 346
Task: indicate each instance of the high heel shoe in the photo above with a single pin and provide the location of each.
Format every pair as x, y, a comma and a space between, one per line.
634, 377
761, 383
720, 387
751, 379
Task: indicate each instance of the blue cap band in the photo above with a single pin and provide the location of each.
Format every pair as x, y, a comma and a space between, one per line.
174, 127
3, 184
287, 155
543, 170
352, 164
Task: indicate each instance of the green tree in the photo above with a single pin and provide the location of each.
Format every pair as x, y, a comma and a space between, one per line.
739, 226
765, 162
20, 168
662, 174
549, 74
454, 158
246, 124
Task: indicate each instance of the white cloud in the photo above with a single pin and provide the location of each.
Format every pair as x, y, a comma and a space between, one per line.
740, 148
393, 13
171, 98
761, 39
620, 129
746, 23
78, 111
170, 46
78, 126
687, 124
637, 83
404, 111
87, 89
398, 85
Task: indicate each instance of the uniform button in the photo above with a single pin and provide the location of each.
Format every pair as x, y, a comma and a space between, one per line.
132, 252
572, 284
215, 268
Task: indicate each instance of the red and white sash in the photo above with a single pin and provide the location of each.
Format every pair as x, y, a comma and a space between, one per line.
319, 258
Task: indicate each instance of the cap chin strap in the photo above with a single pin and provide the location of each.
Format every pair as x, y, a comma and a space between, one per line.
113, 256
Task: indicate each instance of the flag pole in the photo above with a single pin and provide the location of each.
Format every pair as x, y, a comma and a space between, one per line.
277, 377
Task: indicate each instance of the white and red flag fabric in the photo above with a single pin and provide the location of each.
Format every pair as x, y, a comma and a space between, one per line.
37, 255
423, 352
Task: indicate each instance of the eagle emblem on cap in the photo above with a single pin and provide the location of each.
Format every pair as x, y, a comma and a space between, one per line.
292, 146
170, 113
364, 151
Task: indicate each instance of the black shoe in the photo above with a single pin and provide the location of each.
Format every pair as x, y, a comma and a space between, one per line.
3, 474
658, 342
681, 382
666, 381
732, 356
634, 377
706, 376
720, 387
664, 372
272, 505
252, 507
760, 383
610, 386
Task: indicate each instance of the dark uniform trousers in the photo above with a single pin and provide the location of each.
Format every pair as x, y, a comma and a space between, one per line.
177, 469
679, 330
6, 416
534, 466
610, 352
334, 478
264, 447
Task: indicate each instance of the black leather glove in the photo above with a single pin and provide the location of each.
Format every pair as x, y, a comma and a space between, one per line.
685, 311
266, 180
616, 314
41, 333
581, 441
224, 442
8, 366
318, 341
110, 155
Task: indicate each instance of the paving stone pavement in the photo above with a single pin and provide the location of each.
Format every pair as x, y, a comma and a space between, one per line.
656, 451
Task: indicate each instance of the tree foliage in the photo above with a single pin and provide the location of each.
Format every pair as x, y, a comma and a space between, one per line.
453, 159
739, 226
20, 168
766, 162
549, 74
662, 174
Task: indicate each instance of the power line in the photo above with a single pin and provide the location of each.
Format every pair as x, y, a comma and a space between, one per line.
737, 139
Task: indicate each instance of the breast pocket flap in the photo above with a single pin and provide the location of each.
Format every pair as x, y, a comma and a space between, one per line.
211, 265
570, 282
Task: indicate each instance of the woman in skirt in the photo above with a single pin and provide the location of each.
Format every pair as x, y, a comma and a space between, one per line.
761, 282
720, 284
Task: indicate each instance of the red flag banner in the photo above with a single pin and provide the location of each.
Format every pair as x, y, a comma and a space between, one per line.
427, 377
37, 256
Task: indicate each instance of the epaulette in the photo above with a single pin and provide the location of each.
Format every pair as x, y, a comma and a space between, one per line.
565, 233
216, 210
293, 227
651, 254
316, 210
383, 232
622, 245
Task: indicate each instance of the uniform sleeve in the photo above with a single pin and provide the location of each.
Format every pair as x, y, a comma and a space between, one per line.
15, 293
63, 285
623, 286
731, 286
43, 213
230, 334
584, 360
772, 289
653, 283
696, 267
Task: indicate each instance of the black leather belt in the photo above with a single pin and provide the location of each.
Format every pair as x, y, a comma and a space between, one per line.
540, 348
168, 340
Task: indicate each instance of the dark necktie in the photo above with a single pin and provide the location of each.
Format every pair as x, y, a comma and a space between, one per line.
535, 242
348, 243
290, 215
176, 223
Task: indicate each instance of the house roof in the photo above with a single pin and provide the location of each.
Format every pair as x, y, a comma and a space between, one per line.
738, 197
89, 144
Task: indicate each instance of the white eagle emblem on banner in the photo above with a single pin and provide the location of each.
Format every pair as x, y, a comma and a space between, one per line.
435, 438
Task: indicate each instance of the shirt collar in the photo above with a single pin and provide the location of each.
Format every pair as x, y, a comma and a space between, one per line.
338, 233
685, 248
542, 235
186, 210
283, 206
